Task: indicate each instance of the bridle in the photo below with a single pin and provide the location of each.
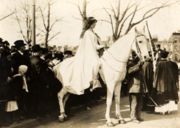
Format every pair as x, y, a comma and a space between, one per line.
137, 46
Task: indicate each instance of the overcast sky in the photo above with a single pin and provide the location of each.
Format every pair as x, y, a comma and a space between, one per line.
162, 24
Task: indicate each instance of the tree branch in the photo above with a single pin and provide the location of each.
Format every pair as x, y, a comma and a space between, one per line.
43, 18
146, 15
53, 24
111, 20
7, 16
103, 20
54, 36
21, 31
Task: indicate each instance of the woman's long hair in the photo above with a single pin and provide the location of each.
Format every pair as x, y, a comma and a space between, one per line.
88, 23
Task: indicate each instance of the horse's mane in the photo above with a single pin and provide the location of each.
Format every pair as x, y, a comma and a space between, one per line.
117, 55
120, 50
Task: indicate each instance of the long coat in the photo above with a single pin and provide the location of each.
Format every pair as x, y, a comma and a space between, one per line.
148, 74
166, 81
43, 88
5, 72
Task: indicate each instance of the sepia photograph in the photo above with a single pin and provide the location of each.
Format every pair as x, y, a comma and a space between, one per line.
89, 63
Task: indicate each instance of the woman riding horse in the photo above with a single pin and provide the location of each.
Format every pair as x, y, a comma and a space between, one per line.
76, 73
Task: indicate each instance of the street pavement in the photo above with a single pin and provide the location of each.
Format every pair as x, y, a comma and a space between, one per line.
94, 118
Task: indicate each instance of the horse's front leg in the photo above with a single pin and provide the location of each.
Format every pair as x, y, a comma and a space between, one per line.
110, 91
61, 96
117, 102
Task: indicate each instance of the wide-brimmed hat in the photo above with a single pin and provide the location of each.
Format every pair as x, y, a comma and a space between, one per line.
19, 43
164, 54
36, 49
91, 20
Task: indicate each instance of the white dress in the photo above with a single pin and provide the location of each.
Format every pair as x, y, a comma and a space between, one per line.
77, 72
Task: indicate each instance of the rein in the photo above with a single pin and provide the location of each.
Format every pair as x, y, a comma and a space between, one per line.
115, 57
138, 48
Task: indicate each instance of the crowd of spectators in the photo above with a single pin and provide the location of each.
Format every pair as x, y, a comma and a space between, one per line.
28, 86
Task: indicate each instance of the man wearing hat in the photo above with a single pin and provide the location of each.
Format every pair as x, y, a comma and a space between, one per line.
20, 58
5, 73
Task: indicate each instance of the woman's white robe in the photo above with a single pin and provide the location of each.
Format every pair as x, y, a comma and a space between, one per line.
81, 69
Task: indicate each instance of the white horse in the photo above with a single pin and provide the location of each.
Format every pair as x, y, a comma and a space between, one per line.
113, 71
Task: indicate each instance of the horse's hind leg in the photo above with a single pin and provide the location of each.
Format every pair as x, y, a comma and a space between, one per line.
117, 103
65, 99
61, 96
110, 91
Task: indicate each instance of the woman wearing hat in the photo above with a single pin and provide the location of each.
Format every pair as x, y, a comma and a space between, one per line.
83, 69
166, 84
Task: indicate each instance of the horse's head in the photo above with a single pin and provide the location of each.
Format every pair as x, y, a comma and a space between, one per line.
141, 45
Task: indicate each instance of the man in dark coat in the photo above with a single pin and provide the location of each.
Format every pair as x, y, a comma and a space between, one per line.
5, 77
166, 80
19, 58
43, 85
5, 71
135, 89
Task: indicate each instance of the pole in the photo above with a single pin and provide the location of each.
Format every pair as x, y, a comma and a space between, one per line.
151, 46
151, 43
34, 23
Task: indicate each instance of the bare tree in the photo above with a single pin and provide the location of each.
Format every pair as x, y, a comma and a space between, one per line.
122, 20
83, 12
4, 17
24, 20
82, 9
48, 25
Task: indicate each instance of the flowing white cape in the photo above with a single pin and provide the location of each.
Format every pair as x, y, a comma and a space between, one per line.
77, 72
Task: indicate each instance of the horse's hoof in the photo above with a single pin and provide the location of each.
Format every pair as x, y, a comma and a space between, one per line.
163, 113
110, 124
62, 118
122, 121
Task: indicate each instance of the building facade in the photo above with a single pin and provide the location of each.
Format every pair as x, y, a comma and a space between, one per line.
174, 42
